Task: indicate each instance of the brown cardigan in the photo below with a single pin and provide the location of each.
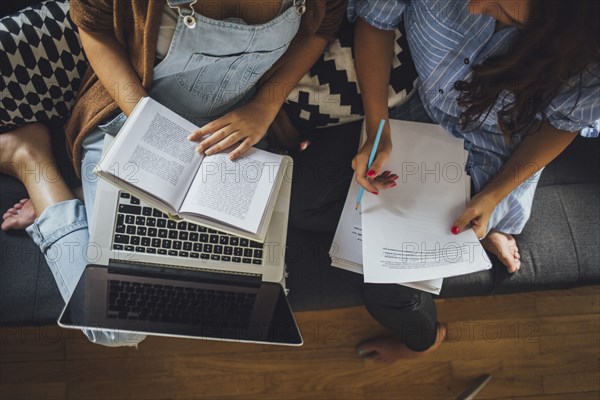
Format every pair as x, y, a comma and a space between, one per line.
135, 25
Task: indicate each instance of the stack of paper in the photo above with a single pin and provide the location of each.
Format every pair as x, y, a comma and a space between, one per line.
403, 235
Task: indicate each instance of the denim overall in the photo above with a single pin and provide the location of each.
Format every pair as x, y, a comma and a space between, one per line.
211, 68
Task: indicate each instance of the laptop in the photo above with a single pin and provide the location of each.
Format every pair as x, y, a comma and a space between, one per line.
152, 275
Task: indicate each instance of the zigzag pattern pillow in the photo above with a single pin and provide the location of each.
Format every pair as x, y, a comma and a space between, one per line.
329, 95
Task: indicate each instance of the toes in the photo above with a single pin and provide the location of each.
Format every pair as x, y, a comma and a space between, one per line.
18, 206
8, 224
512, 264
23, 201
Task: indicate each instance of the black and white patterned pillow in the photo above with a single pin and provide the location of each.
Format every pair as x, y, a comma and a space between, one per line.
328, 94
41, 64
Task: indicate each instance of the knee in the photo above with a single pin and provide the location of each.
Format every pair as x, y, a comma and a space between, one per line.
401, 298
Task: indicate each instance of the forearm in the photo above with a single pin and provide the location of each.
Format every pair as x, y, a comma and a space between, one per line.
374, 49
113, 68
275, 91
534, 152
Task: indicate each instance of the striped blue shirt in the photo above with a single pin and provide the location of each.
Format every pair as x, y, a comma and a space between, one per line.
446, 41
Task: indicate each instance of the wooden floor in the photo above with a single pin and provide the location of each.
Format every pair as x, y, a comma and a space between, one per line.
536, 346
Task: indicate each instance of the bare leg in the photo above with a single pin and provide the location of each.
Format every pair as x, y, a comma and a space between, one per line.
387, 350
503, 246
26, 154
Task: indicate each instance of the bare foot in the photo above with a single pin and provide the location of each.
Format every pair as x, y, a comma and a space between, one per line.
20, 216
503, 246
386, 350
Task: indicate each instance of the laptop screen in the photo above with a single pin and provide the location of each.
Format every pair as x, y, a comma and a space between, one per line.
186, 304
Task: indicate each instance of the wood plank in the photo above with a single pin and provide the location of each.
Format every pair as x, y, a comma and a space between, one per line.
28, 391
32, 372
195, 387
562, 396
334, 377
568, 383
570, 303
497, 307
480, 349
582, 343
19, 344
512, 387
117, 369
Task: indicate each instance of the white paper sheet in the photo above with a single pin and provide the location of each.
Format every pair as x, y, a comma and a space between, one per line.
406, 230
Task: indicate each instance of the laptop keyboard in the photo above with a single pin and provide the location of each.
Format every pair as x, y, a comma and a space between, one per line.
144, 229
176, 304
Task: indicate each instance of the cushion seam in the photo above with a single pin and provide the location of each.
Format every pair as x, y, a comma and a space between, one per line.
560, 199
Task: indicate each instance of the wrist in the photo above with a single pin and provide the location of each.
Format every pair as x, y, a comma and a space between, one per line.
267, 104
490, 196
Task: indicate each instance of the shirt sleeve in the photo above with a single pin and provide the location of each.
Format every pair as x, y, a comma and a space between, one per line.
381, 14
93, 15
334, 13
577, 108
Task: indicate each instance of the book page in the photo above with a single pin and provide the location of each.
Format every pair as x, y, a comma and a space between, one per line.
407, 228
237, 192
152, 153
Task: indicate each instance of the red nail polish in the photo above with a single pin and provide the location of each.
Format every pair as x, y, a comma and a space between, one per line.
394, 184
371, 173
375, 193
455, 230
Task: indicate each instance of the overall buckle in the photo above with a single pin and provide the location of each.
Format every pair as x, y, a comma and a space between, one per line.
187, 15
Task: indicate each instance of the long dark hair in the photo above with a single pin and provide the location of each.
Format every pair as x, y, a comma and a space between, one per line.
560, 40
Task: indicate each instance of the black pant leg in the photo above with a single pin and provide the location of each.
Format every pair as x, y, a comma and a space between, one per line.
408, 313
322, 176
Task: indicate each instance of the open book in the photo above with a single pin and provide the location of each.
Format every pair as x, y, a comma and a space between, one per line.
152, 159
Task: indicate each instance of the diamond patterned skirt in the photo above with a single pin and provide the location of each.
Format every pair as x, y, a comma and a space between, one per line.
41, 64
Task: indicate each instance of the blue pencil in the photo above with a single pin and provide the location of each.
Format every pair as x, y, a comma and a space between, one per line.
371, 159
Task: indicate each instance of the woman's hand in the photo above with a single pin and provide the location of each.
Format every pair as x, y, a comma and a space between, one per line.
246, 124
477, 214
360, 162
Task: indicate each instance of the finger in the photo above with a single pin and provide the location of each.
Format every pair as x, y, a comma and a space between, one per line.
241, 149
459, 225
383, 183
377, 165
367, 184
209, 128
229, 141
215, 138
479, 231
